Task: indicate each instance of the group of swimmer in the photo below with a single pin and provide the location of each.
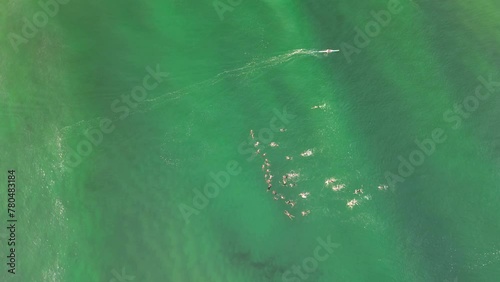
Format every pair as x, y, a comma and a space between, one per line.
286, 180
338, 187
290, 216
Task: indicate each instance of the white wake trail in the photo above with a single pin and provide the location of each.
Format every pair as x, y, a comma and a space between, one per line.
244, 71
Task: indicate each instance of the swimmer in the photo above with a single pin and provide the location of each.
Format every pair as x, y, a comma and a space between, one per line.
264, 154
331, 180
251, 133
275, 198
268, 164
268, 171
256, 144
358, 191
282, 129
292, 184
307, 153
270, 177
319, 106
274, 144
268, 181
258, 151
304, 195
269, 187
304, 213
382, 187
284, 179
291, 203
274, 192
282, 197
288, 158
338, 187
263, 167
352, 203
289, 215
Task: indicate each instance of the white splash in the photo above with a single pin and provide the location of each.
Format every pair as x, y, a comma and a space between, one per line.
307, 153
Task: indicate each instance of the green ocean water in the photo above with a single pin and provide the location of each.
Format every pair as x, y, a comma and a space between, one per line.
116, 214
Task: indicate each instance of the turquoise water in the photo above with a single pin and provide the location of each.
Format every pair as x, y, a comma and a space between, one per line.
127, 208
